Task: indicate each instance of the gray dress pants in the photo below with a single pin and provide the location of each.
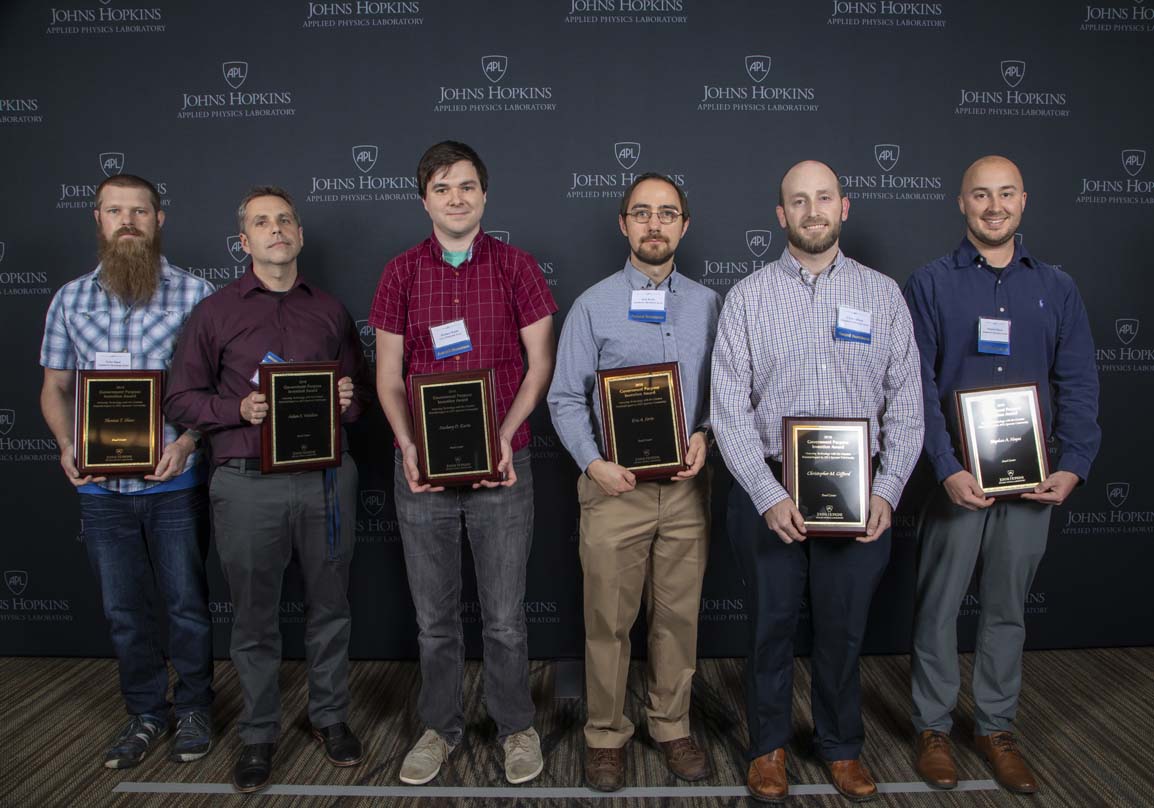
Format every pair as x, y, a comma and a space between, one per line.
1010, 538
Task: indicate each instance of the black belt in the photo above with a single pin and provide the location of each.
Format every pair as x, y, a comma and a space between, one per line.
243, 463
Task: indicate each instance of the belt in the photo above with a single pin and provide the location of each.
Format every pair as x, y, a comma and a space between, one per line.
243, 463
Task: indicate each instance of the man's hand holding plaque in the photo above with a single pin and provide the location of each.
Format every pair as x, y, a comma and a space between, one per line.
827, 472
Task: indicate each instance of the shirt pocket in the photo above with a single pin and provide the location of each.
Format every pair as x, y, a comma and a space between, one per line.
158, 331
88, 330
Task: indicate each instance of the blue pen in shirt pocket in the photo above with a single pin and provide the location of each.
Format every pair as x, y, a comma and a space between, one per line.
269, 359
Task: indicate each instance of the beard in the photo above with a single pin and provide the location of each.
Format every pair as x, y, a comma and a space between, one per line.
814, 245
654, 254
130, 267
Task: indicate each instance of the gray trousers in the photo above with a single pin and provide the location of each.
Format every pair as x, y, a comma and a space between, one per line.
1010, 538
261, 521
499, 522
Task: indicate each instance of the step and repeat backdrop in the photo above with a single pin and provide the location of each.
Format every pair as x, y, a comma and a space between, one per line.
566, 100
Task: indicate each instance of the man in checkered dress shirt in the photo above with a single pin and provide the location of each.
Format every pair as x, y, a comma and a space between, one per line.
777, 354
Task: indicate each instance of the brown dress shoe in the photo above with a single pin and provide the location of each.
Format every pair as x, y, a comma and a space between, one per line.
604, 768
852, 780
685, 759
1010, 770
766, 780
935, 761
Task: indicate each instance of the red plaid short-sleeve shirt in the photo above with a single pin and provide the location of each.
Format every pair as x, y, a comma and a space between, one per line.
497, 291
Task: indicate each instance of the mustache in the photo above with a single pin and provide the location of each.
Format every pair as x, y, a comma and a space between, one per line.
128, 230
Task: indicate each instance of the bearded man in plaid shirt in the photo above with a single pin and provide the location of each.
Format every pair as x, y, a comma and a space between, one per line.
138, 531
494, 300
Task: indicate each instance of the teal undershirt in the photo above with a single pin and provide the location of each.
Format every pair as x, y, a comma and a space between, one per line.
454, 259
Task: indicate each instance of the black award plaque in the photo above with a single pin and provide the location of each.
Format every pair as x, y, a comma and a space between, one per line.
828, 473
1003, 440
118, 421
643, 420
303, 428
455, 427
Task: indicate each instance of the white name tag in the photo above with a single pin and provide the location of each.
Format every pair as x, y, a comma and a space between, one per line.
450, 339
853, 325
993, 336
113, 360
647, 305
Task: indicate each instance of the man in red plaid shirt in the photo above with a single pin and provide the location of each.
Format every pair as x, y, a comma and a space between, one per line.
493, 301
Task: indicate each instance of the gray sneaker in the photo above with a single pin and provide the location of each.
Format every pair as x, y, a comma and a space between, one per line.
523, 759
424, 760
193, 737
134, 741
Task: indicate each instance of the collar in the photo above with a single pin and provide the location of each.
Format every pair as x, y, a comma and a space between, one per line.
250, 283
166, 273
639, 280
436, 250
793, 267
967, 255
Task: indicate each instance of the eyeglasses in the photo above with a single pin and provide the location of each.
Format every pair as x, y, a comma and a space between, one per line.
664, 215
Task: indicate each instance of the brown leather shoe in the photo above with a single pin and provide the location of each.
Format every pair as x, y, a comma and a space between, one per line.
685, 759
935, 761
1010, 770
604, 768
766, 780
852, 780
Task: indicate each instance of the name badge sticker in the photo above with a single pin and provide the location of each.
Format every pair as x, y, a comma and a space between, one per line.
647, 305
450, 339
269, 358
993, 336
113, 360
853, 325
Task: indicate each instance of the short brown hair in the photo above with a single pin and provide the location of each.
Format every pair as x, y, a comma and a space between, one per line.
129, 181
264, 190
440, 156
682, 199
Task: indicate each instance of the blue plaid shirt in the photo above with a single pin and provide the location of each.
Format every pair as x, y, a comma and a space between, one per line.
84, 319
776, 356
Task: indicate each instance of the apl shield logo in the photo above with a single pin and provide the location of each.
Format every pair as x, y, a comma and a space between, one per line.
235, 73
365, 157
7, 421
367, 333
373, 501
494, 67
1126, 329
1, 251
627, 154
112, 163
757, 67
236, 250
1116, 493
758, 241
17, 581
1133, 160
1013, 71
887, 155
501, 235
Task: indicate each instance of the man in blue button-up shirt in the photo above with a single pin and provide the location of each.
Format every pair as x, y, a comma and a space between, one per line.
992, 277
640, 536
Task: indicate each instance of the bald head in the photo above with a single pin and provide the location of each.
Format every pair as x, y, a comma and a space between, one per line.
811, 174
992, 199
991, 168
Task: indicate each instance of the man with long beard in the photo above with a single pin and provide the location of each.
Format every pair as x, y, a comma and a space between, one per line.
813, 334
138, 531
647, 538
987, 284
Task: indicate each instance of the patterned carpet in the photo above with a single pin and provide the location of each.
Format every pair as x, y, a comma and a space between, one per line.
1085, 724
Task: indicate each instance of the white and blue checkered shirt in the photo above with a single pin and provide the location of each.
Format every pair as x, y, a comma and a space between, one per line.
776, 356
84, 319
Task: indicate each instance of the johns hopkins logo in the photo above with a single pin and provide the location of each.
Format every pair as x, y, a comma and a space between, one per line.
1126, 329
501, 235
112, 163
235, 73
7, 421
367, 333
365, 157
1116, 494
494, 67
887, 155
16, 580
627, 154
758, 241
1, 251
758, 67
1013, 71
236, 250
373, 501
1133, 160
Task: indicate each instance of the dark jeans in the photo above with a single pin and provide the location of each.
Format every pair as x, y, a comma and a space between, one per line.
261, 522
133, 541
500, 527
841, 576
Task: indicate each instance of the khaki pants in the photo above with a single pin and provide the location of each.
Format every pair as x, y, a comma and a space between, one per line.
652, 541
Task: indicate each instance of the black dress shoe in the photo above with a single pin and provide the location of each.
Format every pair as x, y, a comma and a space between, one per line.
341, 747
253, 768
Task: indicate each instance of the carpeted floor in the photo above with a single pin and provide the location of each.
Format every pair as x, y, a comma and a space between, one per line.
1085, 723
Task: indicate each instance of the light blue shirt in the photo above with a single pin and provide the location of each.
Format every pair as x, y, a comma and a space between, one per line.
598, 335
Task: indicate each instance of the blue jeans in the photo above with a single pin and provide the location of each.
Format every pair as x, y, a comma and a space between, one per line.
500, 528
140, 545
